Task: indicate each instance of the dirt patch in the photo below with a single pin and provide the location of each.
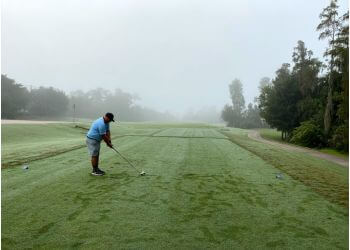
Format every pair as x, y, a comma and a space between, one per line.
255, 135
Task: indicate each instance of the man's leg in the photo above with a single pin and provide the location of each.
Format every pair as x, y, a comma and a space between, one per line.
94, 150
94, 161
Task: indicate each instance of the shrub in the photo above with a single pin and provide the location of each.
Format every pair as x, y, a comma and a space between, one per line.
340, 138
308, 134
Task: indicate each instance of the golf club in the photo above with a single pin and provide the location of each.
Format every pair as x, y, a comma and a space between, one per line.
142, 173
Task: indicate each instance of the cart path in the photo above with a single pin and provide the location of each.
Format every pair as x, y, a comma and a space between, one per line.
255, 135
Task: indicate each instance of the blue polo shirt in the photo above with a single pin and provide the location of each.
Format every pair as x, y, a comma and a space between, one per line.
98, 128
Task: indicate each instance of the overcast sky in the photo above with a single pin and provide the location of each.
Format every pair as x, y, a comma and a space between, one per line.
175, 55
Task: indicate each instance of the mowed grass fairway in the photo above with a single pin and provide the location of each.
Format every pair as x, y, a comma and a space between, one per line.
206, 187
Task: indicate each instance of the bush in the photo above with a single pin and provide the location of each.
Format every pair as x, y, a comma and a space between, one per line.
308, 134
340, 138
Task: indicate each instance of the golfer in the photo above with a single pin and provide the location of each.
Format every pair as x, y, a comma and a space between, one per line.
99, 131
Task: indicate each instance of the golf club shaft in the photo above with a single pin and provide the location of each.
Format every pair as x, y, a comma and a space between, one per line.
125, 159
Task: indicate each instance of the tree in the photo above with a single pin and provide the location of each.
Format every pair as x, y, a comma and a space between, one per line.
252, 117
278, 102
236, 92
97, 102
14, 98
238, 103
329, 27
306, 69
121, 101
303, 99
227, 115
265, 81
341, 61
48, 102
236, 115
340, 135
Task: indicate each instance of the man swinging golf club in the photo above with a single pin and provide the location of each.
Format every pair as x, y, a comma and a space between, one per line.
99, 131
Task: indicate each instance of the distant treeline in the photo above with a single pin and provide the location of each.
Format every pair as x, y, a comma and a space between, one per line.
309, 108
237, 115
18, 102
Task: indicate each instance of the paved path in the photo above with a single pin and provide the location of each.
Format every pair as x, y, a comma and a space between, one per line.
254, 134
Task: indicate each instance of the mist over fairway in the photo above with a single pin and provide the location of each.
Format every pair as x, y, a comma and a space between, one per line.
176, 55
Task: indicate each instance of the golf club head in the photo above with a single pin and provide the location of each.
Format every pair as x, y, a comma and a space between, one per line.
143, 173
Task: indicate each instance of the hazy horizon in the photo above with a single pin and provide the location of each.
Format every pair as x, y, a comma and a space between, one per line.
175, 55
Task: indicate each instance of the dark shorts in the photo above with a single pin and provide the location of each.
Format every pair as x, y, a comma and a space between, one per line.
93, 146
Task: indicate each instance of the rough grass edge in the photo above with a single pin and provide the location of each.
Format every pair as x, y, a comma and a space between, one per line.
39, 157
264, 133
319, 190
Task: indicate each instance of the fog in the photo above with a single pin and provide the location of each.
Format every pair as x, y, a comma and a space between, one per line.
177, 56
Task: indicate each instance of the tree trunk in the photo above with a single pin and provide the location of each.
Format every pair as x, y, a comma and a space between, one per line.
327, 120
328, 112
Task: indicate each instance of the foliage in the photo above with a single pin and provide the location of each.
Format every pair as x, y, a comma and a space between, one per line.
237, 98
303, 95
48, 102
340, 138
342, 63
236, 115
96, 102
14, 98
233, 115
264, 82
305, 69
251, 117
278, 102
329, 28
308, 134
18, 102
227, 115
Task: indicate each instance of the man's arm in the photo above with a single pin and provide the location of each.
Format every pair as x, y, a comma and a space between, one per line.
107, 140
109, 135
106, 135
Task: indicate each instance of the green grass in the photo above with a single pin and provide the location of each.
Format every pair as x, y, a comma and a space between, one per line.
25, 143
201, 191
332, 151
274, 135
271, 134
324, 177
